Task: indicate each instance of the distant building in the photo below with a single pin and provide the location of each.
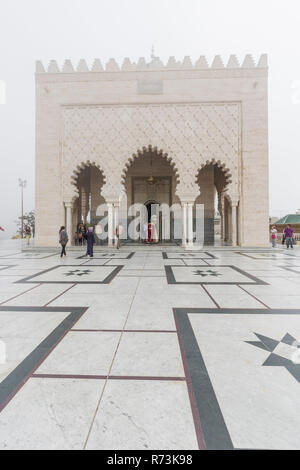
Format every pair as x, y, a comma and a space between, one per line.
291, 219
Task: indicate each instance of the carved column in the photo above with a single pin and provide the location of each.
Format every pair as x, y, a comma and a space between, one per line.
69, 208
116, 218
110, 216
234, 205
222, 212
190, 233
84, 204
184, 207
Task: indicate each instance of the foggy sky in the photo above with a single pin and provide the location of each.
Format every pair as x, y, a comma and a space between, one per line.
72, 29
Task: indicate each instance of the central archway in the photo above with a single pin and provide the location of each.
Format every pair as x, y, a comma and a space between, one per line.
151, 180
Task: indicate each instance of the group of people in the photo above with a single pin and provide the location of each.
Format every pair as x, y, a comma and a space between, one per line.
86, 236
80, 234
287, 236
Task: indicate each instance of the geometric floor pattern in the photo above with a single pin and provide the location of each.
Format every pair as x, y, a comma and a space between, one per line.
150, 349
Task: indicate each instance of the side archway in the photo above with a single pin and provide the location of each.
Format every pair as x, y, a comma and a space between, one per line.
215, 182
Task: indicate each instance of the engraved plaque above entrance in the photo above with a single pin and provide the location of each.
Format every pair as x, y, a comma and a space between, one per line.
150, 87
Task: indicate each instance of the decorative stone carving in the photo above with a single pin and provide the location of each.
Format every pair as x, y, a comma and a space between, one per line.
189, 135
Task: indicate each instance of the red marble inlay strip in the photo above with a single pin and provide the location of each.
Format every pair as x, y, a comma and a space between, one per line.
211, 297
109, 377
251, 295
123, 331
52, 300
19, 295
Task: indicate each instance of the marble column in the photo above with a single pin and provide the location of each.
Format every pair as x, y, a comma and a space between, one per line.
84, 204
222, 212
183, 206
116, 218
69, 208
234, 224
110, 216
190, 233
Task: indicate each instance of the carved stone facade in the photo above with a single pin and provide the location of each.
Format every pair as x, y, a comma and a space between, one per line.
194, 117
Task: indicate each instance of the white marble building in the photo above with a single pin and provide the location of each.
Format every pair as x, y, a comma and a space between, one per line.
199, 130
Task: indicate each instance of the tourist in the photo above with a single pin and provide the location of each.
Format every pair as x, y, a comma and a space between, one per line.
84, 233
80, 234
289, 233
27, 234
90, 242
118, 232
150, 232
274, 236
63, 240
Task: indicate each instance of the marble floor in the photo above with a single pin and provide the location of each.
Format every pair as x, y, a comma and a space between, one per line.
150, 348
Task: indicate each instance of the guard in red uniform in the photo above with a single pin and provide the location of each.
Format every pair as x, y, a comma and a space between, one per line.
150, 232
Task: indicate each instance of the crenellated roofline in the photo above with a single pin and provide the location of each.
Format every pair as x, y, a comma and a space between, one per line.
154, 64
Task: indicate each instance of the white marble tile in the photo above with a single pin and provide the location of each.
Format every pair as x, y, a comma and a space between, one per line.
22, 332
53, 414
82, 353
242, 300
148, 354
260, 404
155, 312
141, 415
109, 312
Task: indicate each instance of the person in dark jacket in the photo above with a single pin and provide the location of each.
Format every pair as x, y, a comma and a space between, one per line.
289, 233
90, 237
63, 240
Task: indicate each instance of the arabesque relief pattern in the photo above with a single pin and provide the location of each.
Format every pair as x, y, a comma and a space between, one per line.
190, 135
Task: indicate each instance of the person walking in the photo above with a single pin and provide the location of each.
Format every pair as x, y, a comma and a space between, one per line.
118, 233
90, 237
27, 234
80, 235
289, 233
274, 236
63, 240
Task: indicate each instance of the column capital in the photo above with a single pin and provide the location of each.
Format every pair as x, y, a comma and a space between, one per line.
234, 202
68, 204
187, 200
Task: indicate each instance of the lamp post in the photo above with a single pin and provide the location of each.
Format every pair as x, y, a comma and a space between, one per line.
22, 184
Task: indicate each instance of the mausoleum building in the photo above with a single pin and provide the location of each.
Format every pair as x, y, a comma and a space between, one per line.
176, 134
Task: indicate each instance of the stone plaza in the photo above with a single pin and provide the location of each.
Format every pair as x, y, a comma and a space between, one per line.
165, 343
149, 347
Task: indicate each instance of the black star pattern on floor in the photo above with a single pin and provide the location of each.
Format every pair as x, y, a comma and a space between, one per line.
188, 255
208, 272
78, 272
269, 344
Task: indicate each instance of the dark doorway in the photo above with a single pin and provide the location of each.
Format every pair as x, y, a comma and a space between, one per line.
148, 205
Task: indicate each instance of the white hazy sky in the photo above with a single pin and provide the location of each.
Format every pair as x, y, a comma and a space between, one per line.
74, 29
